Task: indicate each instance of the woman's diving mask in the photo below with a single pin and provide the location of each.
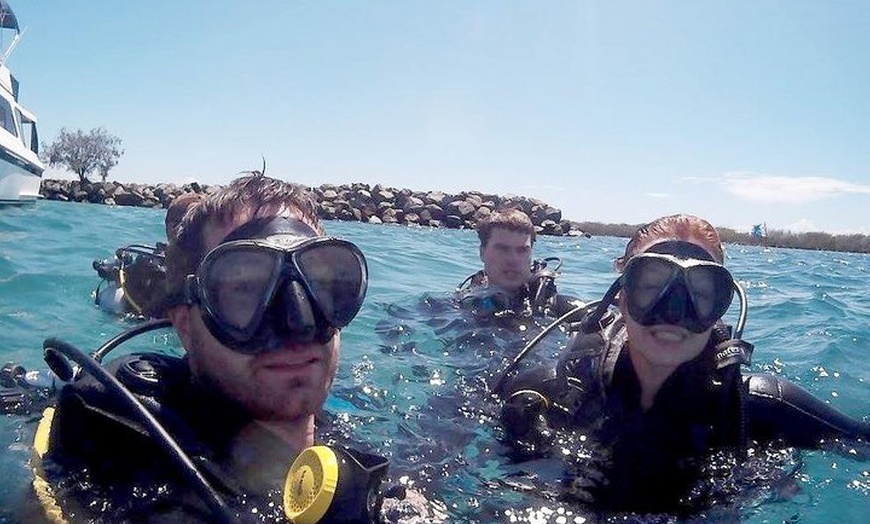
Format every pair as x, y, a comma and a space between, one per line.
677, 283
274, 279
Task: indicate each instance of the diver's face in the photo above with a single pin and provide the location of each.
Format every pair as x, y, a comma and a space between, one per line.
663, 344
284, 384
661, 348
507, 258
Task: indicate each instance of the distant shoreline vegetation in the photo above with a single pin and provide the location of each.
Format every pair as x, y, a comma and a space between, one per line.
816, 241
378, 204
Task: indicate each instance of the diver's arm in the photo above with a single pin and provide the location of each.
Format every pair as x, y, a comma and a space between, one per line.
562, 304
780, 410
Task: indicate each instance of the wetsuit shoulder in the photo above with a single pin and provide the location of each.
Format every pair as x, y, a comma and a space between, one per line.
103, 464
92, 425
779, 410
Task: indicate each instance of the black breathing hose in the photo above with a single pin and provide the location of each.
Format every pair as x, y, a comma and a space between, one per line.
600, 309
119, 339
206, 492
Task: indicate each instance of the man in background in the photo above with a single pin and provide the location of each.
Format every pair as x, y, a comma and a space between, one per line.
510, 281
506, 240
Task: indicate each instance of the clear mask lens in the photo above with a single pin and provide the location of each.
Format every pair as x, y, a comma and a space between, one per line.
335, 277
240, 284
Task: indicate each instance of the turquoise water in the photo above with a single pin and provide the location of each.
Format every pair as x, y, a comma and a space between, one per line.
412, 367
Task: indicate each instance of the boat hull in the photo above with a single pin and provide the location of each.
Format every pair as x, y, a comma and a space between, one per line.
17, 184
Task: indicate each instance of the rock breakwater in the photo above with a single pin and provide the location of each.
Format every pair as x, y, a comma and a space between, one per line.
375, 204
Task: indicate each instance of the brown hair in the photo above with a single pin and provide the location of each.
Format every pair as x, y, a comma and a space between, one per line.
509, 218
176, 210
673, 227
254, 194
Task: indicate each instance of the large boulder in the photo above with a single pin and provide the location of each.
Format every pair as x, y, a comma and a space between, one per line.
460, 208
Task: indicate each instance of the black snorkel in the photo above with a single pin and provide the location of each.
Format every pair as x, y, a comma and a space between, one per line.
542, 284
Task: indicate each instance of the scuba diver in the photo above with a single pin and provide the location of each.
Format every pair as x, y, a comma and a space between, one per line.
133, 281
23, 392
510, 283
226, 433
649, 393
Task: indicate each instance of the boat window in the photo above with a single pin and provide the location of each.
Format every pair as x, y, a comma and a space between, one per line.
28, 132
7, 120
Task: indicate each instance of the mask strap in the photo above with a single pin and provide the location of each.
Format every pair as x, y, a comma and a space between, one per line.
269, 226
681, 249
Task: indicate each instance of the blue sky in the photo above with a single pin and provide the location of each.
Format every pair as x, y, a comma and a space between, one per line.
613, 111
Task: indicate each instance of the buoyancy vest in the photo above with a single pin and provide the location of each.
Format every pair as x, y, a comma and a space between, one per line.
94, 460
591, 399
537, 297
597, 365
706, 416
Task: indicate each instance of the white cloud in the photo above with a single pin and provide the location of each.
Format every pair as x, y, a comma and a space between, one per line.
659, 195
803, 225
770, 189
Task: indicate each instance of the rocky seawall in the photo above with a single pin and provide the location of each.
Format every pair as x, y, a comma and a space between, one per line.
350, 202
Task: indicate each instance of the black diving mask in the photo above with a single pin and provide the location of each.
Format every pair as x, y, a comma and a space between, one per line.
275, 279
677, 283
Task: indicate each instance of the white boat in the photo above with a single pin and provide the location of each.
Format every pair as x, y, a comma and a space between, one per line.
20, 167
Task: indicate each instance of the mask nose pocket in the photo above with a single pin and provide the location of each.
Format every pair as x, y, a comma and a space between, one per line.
675, 306
299, 319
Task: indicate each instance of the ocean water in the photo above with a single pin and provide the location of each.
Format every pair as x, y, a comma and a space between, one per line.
413, 367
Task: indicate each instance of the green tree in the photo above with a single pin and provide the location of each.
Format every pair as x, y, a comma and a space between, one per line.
83, 153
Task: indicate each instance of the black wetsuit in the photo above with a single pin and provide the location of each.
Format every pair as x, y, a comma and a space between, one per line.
624, 458
103, 465
538, 297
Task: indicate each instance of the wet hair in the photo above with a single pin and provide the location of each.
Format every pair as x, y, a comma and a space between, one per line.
673, 227
176, 210
254, 195
509, 218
